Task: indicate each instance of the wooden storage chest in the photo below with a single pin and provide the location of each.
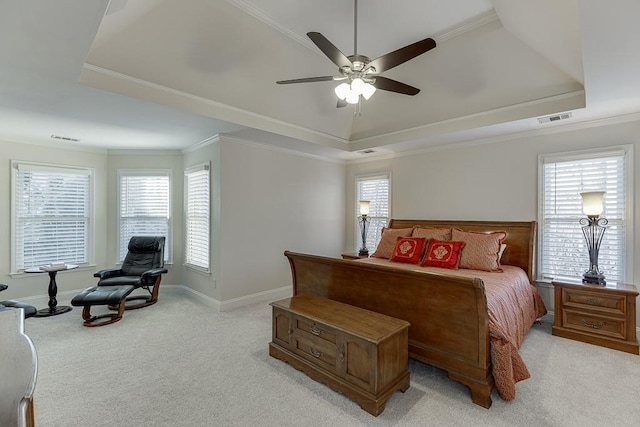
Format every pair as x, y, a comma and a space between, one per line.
357, 352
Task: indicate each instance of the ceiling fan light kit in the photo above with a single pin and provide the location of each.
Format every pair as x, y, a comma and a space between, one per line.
351, 92
362, 75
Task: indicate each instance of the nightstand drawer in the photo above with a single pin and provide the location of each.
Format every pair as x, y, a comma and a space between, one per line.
599, 325
606, 303
601, 315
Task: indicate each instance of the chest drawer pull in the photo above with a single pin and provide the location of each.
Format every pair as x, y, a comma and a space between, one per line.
315, 330
342, 359
593, 301
598, 325
315, 353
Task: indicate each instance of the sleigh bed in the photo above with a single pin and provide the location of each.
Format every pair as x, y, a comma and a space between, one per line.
469, 323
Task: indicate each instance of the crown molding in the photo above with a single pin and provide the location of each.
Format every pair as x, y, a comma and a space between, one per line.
470, 121
455, 31
142, 152
250, 9
113, 81
559, 128
58, 145
198, 145
465, 27
254, 144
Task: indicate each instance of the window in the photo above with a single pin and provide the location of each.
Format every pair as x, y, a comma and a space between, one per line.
376, 190
196, 216
563, 251
144, 207
51, 215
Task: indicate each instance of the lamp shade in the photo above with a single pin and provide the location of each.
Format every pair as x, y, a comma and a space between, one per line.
592, 204
357, 85
368, 90
364, 207
342, 90
352, 97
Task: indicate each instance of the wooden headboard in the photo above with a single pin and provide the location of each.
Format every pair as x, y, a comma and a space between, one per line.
520, 239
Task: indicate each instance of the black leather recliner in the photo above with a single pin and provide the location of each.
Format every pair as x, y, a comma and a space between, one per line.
143, 267
29, 310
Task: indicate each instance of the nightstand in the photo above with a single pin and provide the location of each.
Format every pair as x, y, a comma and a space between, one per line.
353, 255
600, 315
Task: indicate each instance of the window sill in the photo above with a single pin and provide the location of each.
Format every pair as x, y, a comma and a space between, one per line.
199, 270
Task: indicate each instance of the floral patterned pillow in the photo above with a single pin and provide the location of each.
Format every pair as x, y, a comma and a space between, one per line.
443, 253
408, 249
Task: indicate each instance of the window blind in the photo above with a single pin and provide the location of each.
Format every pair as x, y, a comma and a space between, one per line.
564, 251
376, 190
197, 217
52, 213
144, 208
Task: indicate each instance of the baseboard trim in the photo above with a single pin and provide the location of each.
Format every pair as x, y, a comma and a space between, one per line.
265, 296
64, 297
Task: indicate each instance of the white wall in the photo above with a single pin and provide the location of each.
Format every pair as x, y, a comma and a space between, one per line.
264, 201
495, 181
26, 285
272, 201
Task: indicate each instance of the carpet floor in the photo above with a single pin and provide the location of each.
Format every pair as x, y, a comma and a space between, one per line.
180, 363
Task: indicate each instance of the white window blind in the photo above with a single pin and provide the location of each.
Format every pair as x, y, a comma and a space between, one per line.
144, 207
376, 189
563, 249
52, 214
197, 217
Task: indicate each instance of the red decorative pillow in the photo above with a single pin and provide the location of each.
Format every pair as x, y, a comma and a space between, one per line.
408, 249
443, 253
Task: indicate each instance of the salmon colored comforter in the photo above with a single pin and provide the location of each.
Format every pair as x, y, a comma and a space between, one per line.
513, 305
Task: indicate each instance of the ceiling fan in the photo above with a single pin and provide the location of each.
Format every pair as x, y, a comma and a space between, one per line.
361, 75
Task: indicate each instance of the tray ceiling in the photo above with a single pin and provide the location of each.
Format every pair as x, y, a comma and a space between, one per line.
197, 68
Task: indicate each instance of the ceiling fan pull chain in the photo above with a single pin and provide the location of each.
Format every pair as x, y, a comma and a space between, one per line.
358, 110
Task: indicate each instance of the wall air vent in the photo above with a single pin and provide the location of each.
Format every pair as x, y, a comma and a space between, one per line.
554, 118
64, 138
368, 151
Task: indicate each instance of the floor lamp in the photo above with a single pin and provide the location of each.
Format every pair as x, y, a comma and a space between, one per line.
364, 223
593, 230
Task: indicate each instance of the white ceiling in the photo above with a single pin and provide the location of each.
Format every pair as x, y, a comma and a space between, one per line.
168, 74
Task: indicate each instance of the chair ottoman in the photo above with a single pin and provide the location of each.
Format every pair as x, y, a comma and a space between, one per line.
102, 295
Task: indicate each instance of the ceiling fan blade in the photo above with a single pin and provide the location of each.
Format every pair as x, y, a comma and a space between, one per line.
306, 80
332, 52
397, 57
341, 103
390, 85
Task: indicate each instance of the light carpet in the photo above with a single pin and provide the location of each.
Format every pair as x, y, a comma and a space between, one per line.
180, 363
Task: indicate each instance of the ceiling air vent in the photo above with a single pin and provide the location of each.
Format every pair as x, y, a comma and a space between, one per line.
554, 118
368, 151
64, 138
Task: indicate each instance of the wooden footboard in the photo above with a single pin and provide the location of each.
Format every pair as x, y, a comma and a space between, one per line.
448, 315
